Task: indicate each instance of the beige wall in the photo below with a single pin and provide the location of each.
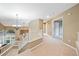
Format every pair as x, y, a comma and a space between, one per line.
35, 29
71, 27
70, 24
49, 27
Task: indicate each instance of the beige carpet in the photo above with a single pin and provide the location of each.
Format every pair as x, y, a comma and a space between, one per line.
49, 47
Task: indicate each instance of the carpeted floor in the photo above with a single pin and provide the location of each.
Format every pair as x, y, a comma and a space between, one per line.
49, 47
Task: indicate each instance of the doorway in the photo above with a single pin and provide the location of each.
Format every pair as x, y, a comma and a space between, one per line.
58, 28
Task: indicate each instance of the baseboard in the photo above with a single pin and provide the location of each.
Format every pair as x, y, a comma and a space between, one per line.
68, 46
31, 45
72, 48
35, 46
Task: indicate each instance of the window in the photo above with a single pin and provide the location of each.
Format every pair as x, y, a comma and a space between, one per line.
7, 37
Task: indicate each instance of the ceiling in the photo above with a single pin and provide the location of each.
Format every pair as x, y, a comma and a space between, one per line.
19, 13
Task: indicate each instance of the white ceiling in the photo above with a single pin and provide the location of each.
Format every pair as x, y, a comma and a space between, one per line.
30, 11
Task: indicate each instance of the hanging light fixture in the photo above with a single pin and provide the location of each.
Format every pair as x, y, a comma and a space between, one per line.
17, 22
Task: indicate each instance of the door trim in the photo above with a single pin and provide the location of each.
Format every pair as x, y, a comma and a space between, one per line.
62, 25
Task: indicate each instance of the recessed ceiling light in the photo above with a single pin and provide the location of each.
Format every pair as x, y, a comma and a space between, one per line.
69, 14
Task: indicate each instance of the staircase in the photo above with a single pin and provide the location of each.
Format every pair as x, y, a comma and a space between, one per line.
24, 41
